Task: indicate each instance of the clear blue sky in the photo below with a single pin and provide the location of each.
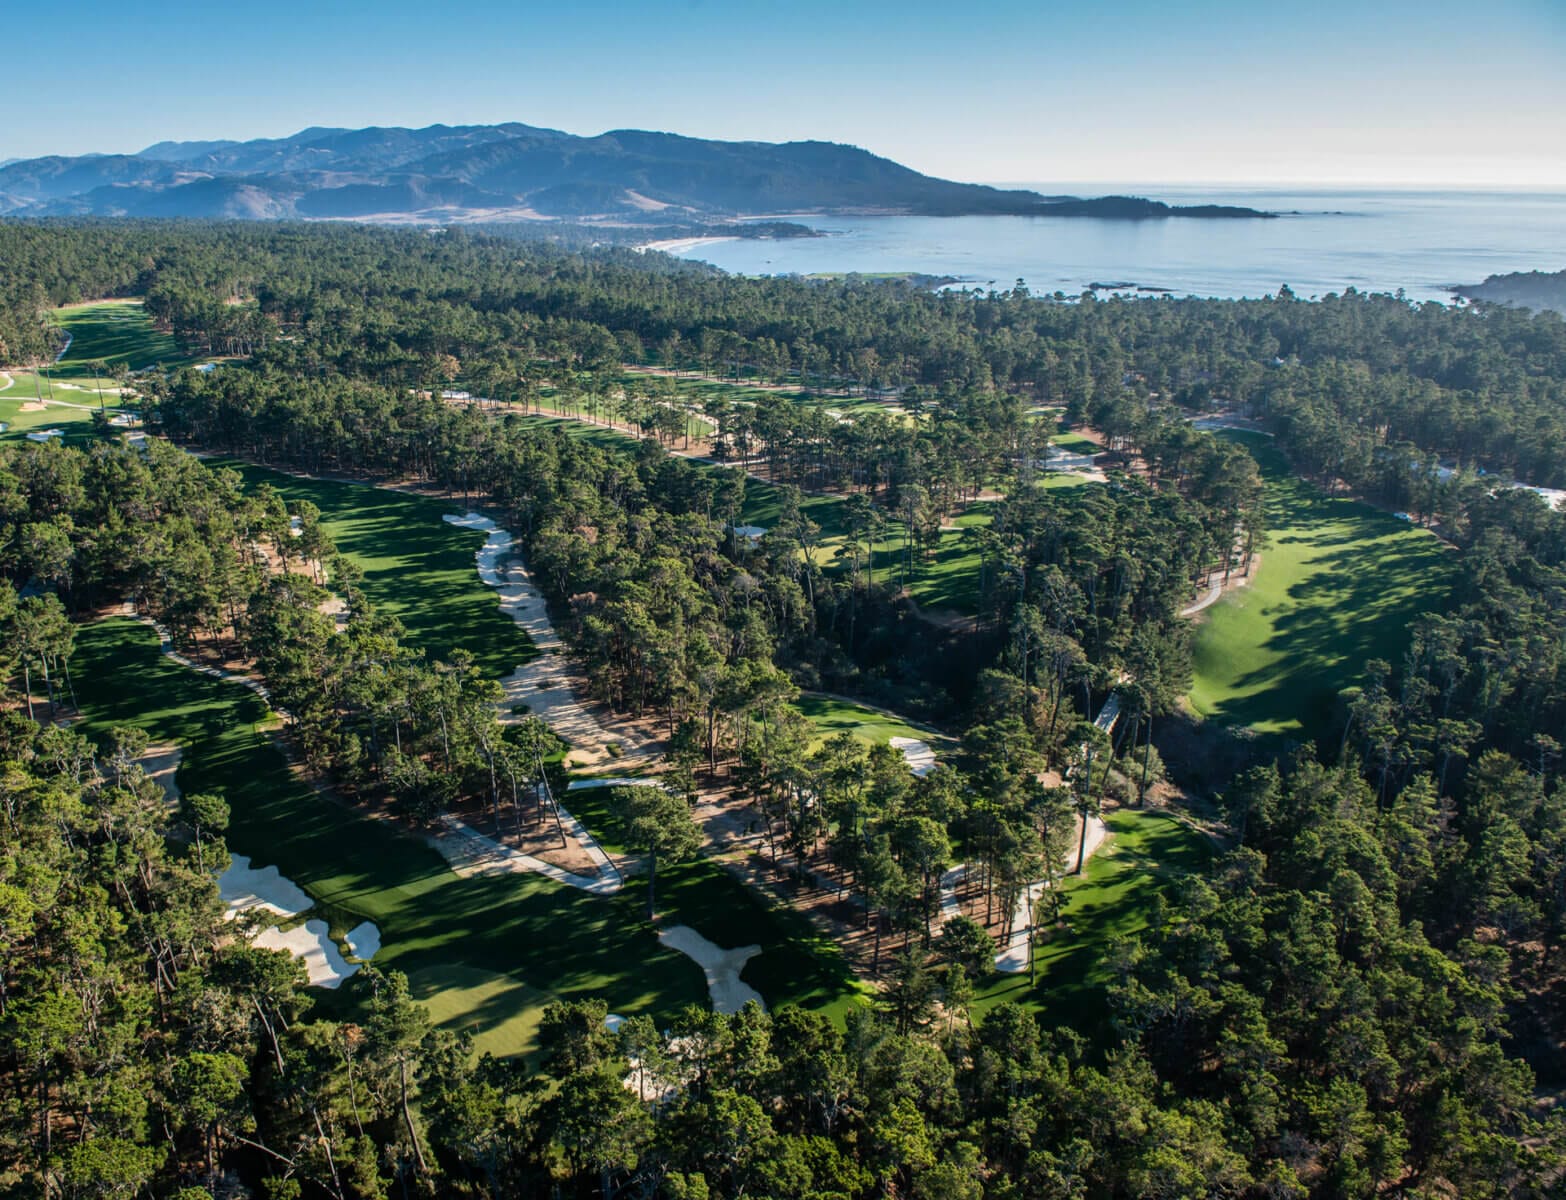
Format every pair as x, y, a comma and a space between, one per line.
1416, 91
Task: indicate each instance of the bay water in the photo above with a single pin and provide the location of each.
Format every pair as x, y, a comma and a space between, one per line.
1325, 240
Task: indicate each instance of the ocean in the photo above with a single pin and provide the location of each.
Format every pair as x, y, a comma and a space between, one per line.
1422, 242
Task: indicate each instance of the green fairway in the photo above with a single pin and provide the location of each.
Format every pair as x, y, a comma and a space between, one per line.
416, 567
118, 333
1339, 583
832, 715
525, 937
1147, 851
488, 952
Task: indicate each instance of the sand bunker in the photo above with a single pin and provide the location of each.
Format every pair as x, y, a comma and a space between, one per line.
722, 967
161, 764
243, 888
546, 685
918, 755
310, 943
587, 785
1013, 959
470, 853
751, 532
364, 940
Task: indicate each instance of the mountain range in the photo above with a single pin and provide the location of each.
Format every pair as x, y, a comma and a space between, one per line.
516, 172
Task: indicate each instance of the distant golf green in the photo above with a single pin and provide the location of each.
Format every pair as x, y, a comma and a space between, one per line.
115, 333
1338, 584
832, 715
118, 333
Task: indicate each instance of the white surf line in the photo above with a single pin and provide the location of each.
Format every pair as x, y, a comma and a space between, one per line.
729, 993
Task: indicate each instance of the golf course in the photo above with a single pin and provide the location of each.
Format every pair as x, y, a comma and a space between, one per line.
1338, 584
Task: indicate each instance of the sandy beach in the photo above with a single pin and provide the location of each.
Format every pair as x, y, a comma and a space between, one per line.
680, 245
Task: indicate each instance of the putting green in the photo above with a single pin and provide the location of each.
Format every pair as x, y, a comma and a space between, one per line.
1339, 583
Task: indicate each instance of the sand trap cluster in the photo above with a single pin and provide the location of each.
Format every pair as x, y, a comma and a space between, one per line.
246, 889
243, 887
918, 755
312, 944
722, 967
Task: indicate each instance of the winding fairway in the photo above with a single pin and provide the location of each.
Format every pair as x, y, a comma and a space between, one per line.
1339, 583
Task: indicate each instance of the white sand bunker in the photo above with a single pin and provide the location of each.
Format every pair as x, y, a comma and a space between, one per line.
546, 684
722, 967
919, 756
310, 943
243, 887
161, 765
1013, 959
364, 940
752, 532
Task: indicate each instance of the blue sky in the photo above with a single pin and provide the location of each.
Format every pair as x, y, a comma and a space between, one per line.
1435, 91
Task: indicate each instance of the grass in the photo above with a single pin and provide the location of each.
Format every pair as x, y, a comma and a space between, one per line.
1148, 851
118, 332
832, 716
1339, 583
416, 567
488, 952
485, 953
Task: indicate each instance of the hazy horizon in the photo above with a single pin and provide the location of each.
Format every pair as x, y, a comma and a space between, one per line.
1423, 93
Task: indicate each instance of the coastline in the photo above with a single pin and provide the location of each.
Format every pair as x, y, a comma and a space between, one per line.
680, 245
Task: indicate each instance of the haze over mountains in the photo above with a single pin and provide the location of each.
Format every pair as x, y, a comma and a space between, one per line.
515, 172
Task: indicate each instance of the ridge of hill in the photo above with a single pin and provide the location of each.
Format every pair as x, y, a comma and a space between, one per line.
513, 171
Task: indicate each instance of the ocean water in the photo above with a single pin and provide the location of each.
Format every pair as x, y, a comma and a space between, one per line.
1326, 241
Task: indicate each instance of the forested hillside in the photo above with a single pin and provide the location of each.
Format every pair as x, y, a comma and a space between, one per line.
1361, 997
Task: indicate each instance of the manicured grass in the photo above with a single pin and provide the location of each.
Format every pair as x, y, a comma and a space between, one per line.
416, 567
118, 332
797, 965
832, 716
501, 1014
1076, 443
1339, 583
487, 953
504, 943
1112, 898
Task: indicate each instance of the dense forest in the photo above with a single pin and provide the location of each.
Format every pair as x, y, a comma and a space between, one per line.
1362, 998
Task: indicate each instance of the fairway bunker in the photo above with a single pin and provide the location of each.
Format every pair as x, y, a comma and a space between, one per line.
546, 685
722, 967
243, 888
311, 943
916, 753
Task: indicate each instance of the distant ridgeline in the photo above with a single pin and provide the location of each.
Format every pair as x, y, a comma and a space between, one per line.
1539, 290
512, 172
